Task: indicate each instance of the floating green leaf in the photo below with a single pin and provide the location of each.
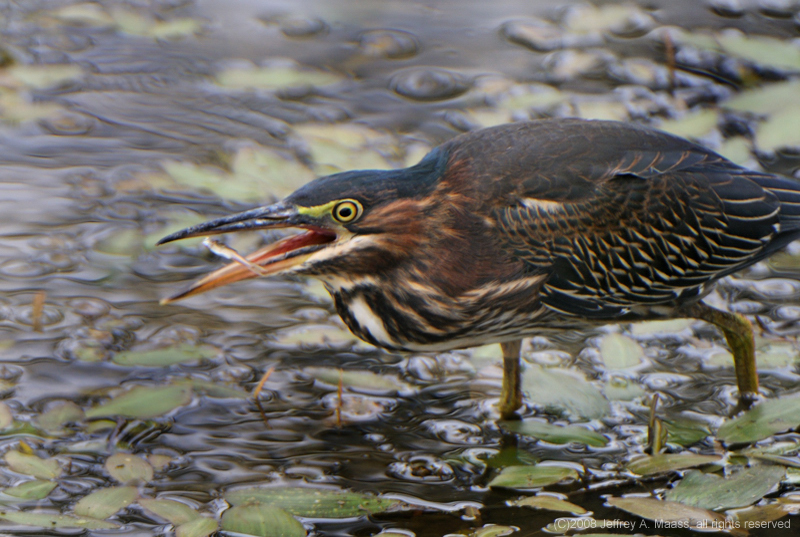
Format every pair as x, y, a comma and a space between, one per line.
144, 402
215, 389
55, 418
365, 381
176, 513
127, 468
262, 521
556, 434
550, 503
693, 125
55, 520
167, 356
709, 491
768, 99
665, 511
528, 477
199, 527
313, 503
274, 78
105, 502
493, 530
31, 490
565, 390
32, 465
686, 432
620, 352
669, 462
762, 421
6, 417
780, 130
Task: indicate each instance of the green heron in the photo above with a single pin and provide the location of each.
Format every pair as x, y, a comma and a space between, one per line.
505, 232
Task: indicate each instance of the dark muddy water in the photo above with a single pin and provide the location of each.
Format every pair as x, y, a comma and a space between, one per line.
124, 121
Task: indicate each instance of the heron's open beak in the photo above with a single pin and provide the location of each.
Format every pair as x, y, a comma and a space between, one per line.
272, 259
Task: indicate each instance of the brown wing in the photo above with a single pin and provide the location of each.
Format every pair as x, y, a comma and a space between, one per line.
637, 226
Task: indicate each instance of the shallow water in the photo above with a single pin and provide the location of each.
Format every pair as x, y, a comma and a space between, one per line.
138, 119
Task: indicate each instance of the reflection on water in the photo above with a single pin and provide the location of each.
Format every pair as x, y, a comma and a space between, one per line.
125, 121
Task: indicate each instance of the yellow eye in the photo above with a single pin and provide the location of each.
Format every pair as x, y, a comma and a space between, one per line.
347, 211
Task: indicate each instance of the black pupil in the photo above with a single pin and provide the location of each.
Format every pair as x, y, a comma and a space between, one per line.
345, 212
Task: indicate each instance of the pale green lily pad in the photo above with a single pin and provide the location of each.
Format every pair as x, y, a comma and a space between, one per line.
32, 465
261, 521
550, 503
215, 389
619, 388
275, 78
144, 402
158, 462
777, 355
693, 125
686, 432
585, 18
670, 462
709, 491
737, 149
84, 14
780, 130
127, 468
176, 513
313, 503
760, 50
44, 76
364, 381
55, 520
124, 242
658, 328
762, 421
529, 477
167, 356
316, 335
536, 97
105, 502
200, 527
758, 514
768, 99
564, 390
556, 434
666, 511
31, 490
56, 417
620, 352
346, 146
6, 417
493, 530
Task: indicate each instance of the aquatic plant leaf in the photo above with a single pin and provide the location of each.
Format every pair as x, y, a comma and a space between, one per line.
760, 514
313, 503
762, 50
693, 125
200, 527
6, 417
550, 503
105, 502
144, 402
55, 418
166, 356
274, 78
762, 421
556, 434
493, 530
669, 462
127, 468
686, 432
262, 521
55, 520
175, 512
316, 335
768, 99
666, 511
528, 477
366, 381
215, 389
619, 388
31, 490
43, 76
620, 352
780, 130
709, 491
564, 390
32, 465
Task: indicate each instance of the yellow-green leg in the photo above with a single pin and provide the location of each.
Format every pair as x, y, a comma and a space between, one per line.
511, 395
739, 334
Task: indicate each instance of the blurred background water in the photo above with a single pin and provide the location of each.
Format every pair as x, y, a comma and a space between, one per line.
121, 121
